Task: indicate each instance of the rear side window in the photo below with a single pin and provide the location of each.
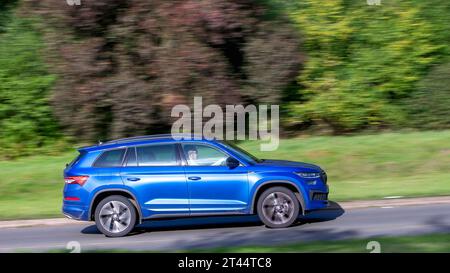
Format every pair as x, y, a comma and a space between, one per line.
112, 158
157, 155
75, 161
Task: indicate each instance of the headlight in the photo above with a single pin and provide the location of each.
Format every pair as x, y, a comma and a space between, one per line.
307, 175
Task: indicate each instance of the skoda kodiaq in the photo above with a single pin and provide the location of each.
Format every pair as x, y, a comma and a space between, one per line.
121, 183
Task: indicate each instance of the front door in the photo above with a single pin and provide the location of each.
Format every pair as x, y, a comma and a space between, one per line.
213, 187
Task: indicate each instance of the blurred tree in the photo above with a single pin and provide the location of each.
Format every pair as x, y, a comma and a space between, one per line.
26, 120
124, 64
361, 61
429, 107
436, 13
270, 66
6, 8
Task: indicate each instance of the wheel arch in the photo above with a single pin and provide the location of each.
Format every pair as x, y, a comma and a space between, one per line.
102, 194
274, 183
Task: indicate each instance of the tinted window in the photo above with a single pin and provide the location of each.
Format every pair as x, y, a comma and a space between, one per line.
112, 158
248, 156
157, 155
203, 155
130, 159
75, 161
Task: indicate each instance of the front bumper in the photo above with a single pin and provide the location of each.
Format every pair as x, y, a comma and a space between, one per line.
317, 197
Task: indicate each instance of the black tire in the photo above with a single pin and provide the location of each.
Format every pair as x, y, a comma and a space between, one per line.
121, 213
278, 207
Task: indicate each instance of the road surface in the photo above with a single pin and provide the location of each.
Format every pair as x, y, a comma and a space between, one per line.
168, 235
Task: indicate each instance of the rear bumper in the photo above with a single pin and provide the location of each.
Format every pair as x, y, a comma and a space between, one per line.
75, 212
75, 202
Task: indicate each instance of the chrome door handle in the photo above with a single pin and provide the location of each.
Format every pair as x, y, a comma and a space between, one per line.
133, 179
194, 178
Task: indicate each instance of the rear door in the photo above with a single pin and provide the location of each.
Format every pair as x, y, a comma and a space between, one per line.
155, 173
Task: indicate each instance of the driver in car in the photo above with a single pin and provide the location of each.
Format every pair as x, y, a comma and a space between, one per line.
192, 155
193, 159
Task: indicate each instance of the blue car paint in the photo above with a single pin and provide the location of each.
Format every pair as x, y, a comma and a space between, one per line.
159, 190
179, 191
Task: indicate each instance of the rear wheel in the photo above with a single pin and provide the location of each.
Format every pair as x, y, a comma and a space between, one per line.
278, 207
115, 216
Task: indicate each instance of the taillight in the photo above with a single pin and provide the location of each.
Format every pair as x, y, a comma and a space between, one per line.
80, 180
70, 198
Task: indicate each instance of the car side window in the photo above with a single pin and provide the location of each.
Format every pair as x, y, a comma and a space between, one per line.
157, 155
131, 160
111, 158
203, 155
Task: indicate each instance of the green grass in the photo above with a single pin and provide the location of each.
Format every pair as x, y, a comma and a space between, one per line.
374, 166
359, 167
32, 187
424, 243
432, 243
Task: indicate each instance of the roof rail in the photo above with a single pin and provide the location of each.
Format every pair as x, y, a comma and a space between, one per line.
137, 138
146, 137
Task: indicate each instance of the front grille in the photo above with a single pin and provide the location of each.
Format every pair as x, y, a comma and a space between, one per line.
319, 196
323, 176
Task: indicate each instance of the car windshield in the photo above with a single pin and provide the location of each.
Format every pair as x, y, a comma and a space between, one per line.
248, 156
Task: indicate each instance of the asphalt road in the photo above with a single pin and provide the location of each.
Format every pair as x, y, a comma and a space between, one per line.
168, 235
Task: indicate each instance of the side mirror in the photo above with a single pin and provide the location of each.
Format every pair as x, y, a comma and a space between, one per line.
232, 162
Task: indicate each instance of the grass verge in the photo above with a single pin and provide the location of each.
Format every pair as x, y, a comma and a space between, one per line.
431, 243
424, 243
359, 167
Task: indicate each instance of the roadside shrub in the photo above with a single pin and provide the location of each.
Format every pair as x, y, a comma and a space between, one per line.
122, 65
429, 106
362, 61
26, 120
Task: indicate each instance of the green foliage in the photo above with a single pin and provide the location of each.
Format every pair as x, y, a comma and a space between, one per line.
436, 12
6, 6
429, 107
361, 61
26, 121
125, 64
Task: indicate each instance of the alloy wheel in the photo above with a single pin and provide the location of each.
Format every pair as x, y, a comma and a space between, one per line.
115, 216
278, 208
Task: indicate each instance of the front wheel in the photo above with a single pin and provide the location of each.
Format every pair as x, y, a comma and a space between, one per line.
278, 207
115, 216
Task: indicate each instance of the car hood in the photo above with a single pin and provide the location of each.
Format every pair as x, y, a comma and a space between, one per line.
286, 163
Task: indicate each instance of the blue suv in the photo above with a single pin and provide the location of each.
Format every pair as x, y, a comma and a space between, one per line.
121, 183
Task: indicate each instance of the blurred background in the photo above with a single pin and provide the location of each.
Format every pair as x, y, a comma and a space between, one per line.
364, 90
